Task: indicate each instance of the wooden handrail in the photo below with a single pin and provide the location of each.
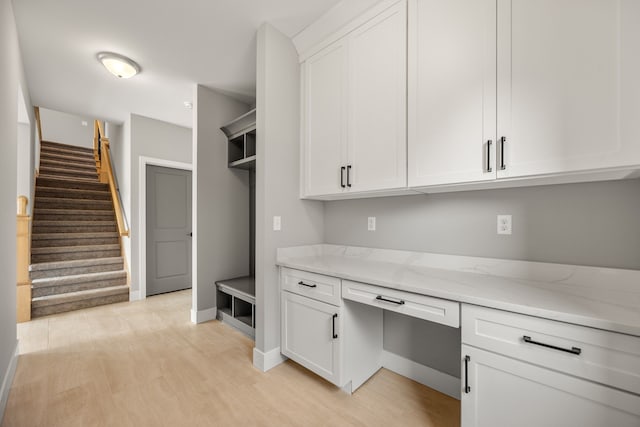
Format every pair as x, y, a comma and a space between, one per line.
105, 171
23, 259
36, 111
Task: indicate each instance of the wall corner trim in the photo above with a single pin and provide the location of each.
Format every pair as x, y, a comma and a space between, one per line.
8, 380
422, 374
201, 316
265, 361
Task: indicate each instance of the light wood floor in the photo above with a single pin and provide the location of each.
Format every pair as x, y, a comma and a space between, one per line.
145, 364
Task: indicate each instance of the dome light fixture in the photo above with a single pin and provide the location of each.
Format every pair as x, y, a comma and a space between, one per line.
118, 65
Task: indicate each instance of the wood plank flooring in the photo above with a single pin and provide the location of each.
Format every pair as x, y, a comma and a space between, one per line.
145, 364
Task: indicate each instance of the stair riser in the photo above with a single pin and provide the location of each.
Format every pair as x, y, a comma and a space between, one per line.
63, 289
62, 162
73, 217
68, 150
68, 256
58, 272
78, 204
69, 173
77, 305
52, 243
78, 185
79, 228
71, 194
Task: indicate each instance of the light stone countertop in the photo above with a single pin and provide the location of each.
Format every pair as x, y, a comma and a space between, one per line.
602, 298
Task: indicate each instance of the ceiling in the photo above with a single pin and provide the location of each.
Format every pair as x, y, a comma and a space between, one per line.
177, 43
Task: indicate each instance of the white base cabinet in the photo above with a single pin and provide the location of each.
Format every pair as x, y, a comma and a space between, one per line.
341, 342
505, 392
312, 335
525, 371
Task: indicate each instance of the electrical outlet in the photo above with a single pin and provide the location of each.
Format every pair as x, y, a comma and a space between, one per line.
504, 224
277, 223
371, 223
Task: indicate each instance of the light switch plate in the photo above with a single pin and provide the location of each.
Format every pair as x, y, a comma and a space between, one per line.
277, 223
504, 224
371, 223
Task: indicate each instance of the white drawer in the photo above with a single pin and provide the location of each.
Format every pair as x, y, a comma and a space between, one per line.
316, 286
428, 308
601, 356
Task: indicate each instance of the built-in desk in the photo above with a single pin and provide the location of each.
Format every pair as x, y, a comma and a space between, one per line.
557, 341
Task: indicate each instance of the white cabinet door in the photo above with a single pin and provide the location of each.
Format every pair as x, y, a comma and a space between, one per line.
452, 91
505, 392
565, 85
377, 94
324, 120
312, 334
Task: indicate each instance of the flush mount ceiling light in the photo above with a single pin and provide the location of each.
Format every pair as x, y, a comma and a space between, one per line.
118, 65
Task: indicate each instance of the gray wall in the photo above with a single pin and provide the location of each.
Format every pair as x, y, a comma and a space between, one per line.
66, 128
595, 224
278, 176
11, 77
148, 138
221, 196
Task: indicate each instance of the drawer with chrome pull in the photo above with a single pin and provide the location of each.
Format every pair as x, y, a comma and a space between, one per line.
312, 285
601, 356
433, 309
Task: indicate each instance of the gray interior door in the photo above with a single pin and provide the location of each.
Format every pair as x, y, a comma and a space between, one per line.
168, 229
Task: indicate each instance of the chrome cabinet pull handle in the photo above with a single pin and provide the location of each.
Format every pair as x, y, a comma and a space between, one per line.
503, 166
572, 350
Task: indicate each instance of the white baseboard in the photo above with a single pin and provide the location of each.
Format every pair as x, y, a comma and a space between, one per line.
437, 380
135, 296
201, 316
8, 380
270, 359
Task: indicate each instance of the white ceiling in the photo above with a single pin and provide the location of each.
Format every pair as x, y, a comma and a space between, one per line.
177, 44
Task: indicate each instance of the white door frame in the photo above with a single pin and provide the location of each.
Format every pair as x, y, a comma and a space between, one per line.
142, 213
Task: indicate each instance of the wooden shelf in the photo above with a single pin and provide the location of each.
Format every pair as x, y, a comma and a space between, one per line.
248, 163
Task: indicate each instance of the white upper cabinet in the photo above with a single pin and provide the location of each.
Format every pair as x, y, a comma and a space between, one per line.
568, 92
452, 91
504, 89
354, 110
377, 102
324, 84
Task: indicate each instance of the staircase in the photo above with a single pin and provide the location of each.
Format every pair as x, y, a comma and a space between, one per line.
76, 257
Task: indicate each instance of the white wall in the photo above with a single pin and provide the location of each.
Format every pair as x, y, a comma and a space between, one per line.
66, 128
278, 176
221, 196
11, 77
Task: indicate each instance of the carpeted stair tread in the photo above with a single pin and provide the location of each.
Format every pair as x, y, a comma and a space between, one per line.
56, 236
67, 157
74, 267
78, 278
49, 171
81, 180
75, 263
73, 193
59, 202
59, 182
77, 300
66, 249
53, 144
79, 282
78, 167
44, 223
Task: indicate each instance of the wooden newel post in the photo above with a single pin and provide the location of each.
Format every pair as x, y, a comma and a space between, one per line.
23, 259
